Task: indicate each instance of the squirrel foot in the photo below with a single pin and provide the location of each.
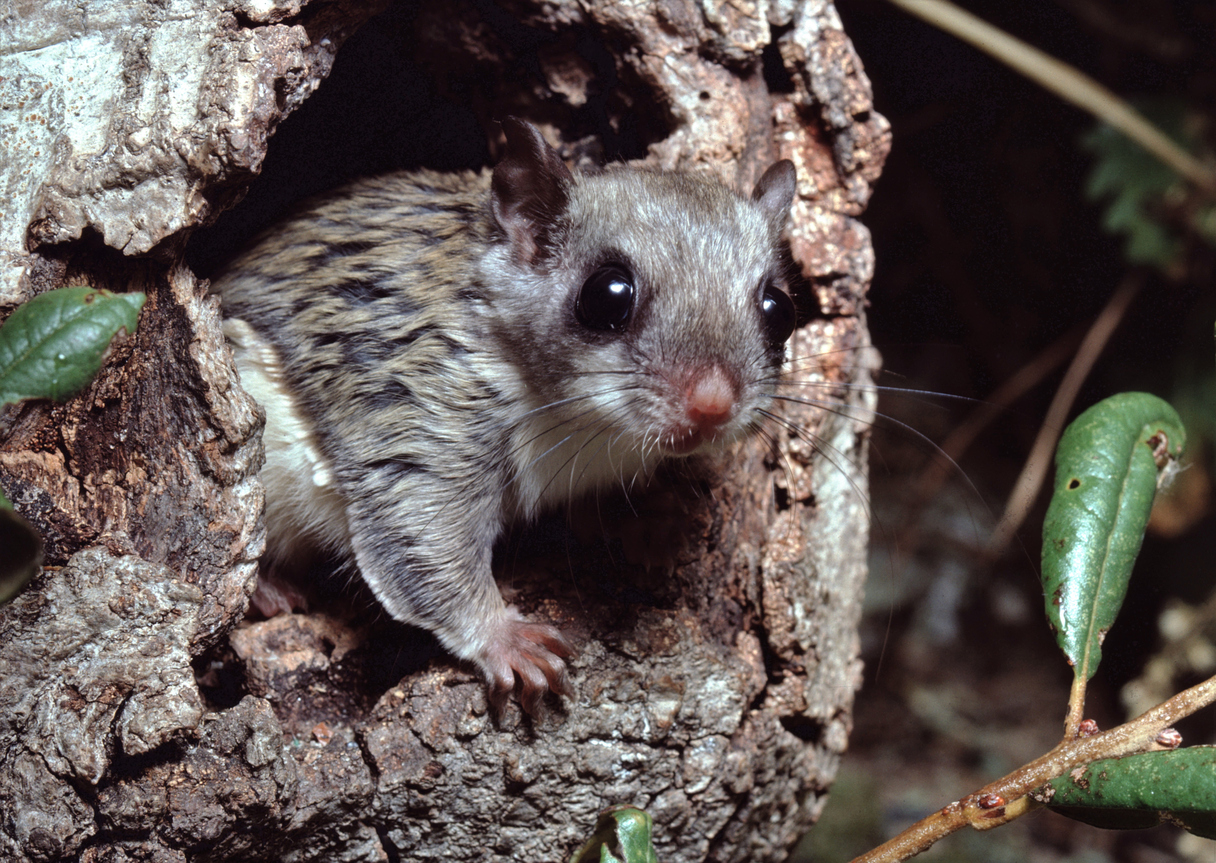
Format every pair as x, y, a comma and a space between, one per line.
533, 652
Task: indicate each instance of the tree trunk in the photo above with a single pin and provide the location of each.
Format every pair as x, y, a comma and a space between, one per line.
141, 718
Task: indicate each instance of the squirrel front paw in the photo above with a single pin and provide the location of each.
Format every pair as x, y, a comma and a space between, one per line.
533, 652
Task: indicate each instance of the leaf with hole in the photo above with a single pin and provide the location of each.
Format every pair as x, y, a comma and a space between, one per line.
1108, 465
53, 345
1140, 791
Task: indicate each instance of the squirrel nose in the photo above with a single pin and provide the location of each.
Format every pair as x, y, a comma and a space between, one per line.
710, 399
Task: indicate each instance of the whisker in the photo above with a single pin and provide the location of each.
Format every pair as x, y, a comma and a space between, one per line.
879, 388
573, 456
507, 453
588, 372
821, 446
787, 468
607, 444
572, 399
506, 449
839, 410
613, 418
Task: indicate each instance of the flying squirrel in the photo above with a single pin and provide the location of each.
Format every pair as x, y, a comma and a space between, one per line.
442, 355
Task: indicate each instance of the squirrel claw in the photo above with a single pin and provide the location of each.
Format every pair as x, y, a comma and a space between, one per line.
535, 653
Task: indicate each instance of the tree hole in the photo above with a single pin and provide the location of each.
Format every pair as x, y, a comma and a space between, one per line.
420, 86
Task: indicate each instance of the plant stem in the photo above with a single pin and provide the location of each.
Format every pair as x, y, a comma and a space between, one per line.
1127, 739
1076, 706
1065, 81
1030, 480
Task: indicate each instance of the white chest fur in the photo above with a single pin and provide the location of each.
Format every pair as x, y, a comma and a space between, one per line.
303, 509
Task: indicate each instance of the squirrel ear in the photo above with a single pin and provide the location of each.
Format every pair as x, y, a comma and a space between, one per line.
529, 192
774, 191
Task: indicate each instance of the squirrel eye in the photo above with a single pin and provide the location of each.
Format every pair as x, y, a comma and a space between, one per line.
605, 301
777, 311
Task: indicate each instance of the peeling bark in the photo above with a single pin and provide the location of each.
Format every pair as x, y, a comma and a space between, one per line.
714, 690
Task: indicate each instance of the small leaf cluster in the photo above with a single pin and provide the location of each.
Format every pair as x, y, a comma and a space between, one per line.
1146, 202
1109, 464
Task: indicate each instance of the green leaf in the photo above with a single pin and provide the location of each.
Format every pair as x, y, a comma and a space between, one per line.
53, 345
1141, 791
22, 552
622, 835
1108, 465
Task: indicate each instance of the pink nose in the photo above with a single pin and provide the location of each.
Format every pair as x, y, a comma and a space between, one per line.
711, 399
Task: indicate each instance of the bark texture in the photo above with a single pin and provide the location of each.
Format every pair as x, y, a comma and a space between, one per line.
141, 719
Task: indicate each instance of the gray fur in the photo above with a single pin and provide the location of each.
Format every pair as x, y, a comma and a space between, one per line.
419, 331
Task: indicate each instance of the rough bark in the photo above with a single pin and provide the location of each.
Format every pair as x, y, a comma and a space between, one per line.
715, 692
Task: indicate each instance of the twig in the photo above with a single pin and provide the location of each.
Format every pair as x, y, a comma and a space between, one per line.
1076, 705
1065, 81
1026, 489
956, 444
976, 810
1096, 14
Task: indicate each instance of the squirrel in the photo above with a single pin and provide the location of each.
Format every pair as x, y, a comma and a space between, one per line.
442, 355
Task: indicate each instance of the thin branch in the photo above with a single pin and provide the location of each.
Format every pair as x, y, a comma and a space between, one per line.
976, 809
1076, 706
956, 444
1065, 81
1026, 489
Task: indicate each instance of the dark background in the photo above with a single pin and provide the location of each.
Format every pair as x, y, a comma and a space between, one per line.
988, 252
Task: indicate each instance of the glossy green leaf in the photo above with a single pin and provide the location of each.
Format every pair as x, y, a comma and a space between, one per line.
1108, 465
22, 552
53, 345
622, 835
1140, 791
